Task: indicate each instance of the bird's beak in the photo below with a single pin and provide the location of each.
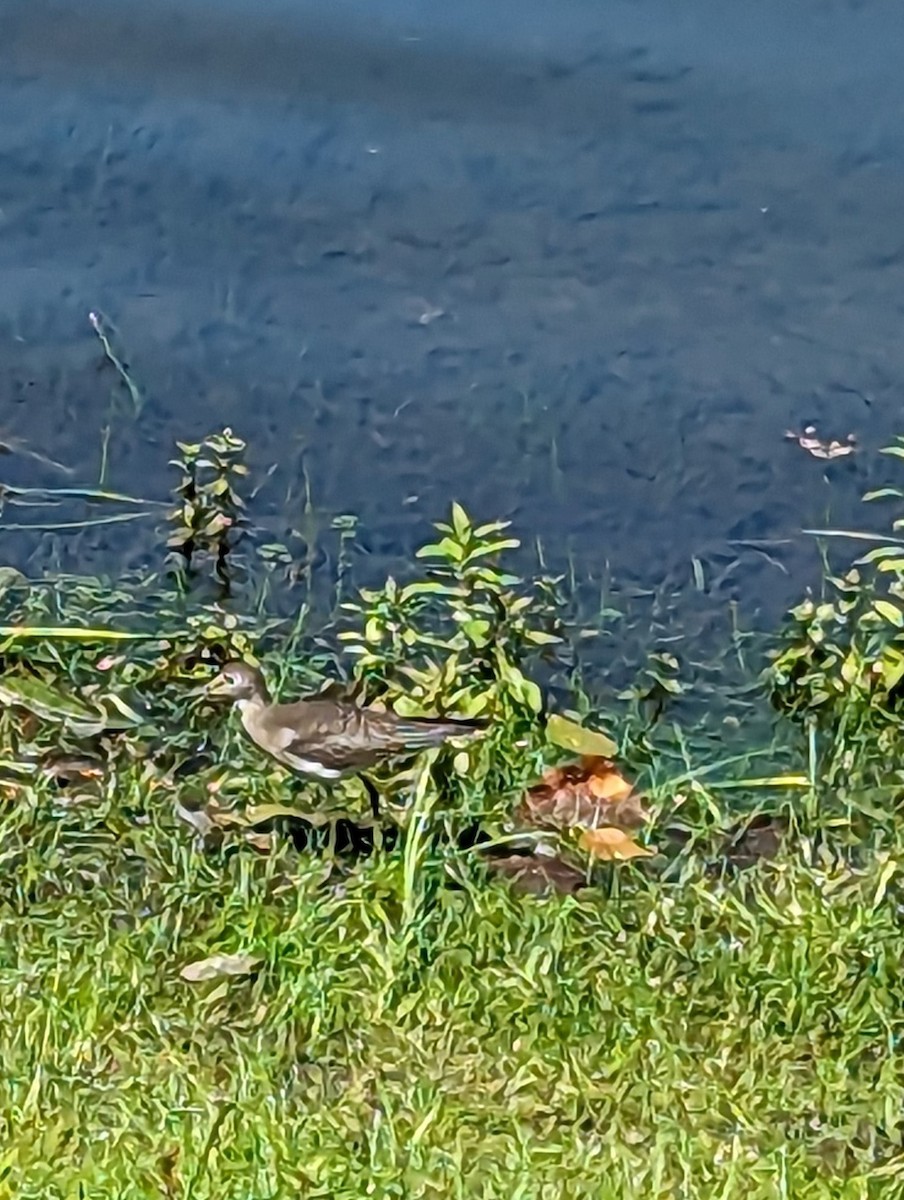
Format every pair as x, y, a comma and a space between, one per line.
218, 686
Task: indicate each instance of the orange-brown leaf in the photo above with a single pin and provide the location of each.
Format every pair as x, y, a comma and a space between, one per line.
609, 844
586, 795
264, 842
609, 787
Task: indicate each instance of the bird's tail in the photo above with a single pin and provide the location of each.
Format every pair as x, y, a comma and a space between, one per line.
419, 733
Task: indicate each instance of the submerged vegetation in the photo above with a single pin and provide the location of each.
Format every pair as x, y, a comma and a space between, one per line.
586, 955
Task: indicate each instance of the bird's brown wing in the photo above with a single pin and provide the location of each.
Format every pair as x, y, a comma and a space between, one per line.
337, 737
335, 759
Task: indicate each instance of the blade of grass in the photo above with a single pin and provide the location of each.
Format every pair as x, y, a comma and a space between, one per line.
78, 493
119, 366
787, 781
424, 798
854, 533
42, 527
701, 772
75, 633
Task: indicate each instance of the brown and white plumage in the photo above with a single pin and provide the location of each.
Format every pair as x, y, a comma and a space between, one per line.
326, 738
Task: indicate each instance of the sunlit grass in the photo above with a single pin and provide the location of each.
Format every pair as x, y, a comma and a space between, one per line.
705, 1037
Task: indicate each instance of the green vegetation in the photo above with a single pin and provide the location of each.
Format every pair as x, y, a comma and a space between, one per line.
218, 982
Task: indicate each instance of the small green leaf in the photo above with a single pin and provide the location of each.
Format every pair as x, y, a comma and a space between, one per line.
891, 667
850, 668
125, 710
408, 706
428, 587
531, 695
373, 632
460, 521
471, 706
477, 632
498, 578
493, 548
447, 549
890, 612
577, 739
539, 638
804, 611
483, 531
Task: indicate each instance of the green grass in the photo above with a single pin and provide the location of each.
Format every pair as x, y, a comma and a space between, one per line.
706, 1037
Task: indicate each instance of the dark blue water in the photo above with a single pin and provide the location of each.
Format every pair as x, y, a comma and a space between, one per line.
577, 264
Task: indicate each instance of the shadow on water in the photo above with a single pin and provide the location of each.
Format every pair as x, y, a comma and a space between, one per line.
582, 269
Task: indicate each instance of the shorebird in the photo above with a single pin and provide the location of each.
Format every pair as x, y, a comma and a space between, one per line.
328, 739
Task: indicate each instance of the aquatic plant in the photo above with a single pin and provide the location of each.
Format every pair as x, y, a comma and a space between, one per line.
207, 521
839, 665
459, 634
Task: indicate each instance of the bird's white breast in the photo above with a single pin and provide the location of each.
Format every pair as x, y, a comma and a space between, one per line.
307, 766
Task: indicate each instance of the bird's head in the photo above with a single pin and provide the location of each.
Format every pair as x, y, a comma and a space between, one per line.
239, 681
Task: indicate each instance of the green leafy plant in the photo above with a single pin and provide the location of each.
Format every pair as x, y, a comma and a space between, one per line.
207, 520
840, 663
457, 639
659, 682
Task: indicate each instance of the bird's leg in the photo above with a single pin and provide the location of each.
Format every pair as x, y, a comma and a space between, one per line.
373, 796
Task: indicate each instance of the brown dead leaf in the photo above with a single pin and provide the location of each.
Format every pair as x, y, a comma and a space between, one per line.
223, 817
760, 839
66, 767
583, 795
822, 449
609, 787
168, 1166
264, 842
612, 844
29, 726
538, 874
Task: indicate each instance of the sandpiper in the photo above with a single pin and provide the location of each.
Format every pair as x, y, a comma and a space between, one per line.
328, 739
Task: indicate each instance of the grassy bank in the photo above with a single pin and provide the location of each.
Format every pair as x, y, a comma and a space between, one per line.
701, 1039
209, 996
